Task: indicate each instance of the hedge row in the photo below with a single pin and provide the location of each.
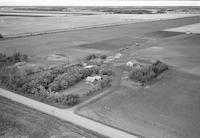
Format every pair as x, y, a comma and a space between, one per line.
95, 56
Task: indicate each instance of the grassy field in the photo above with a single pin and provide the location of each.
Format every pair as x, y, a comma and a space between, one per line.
181, 51
14, 25
17, 120
166, 109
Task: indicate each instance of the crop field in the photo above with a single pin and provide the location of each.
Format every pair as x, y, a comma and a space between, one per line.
180, 51
14, 25
17, 120
40, 47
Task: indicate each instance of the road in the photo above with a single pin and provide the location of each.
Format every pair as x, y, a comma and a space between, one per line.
67, 115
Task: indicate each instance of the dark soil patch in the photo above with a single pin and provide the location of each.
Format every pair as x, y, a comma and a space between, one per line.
113, 44
162, 34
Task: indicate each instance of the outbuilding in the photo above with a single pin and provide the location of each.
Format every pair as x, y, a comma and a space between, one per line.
92, 79
89, 66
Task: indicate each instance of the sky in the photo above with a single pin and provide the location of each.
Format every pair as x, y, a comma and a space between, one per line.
99, 3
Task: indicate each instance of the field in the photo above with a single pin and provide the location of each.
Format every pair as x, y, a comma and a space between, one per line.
12, 26
194, 28
39, 48
17, 120
166, 108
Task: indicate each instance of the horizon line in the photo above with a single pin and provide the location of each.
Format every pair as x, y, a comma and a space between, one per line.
98, 3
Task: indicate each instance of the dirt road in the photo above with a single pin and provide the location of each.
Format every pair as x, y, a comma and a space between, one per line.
67, 115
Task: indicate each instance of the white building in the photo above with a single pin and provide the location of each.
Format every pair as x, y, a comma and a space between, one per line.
92, 79
89, 66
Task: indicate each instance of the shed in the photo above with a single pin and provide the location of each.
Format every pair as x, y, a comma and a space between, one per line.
118, 55
89, 66
94, 78
132, 63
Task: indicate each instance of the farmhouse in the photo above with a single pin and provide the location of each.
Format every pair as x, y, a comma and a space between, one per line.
134, 63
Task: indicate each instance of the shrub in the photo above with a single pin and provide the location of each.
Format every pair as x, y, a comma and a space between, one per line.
70, 99
107, 72
103, 57
143, 75
105, 82
11, 60
54, 86
159, 67
11, 78
91, 56
18, 57
147, 73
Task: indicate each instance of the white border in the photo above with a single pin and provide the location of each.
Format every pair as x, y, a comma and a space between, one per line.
96, 3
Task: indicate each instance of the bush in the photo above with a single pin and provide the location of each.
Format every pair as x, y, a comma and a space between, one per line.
18, 57
159, 67
107, 72
105, 82
70, 99
91, 56
11, 60
147, 73
103, 57
11, 78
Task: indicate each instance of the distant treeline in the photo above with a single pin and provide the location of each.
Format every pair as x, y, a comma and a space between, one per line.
42, 8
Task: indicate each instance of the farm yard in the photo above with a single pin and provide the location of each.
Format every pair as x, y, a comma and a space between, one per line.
45, 83
140, 76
